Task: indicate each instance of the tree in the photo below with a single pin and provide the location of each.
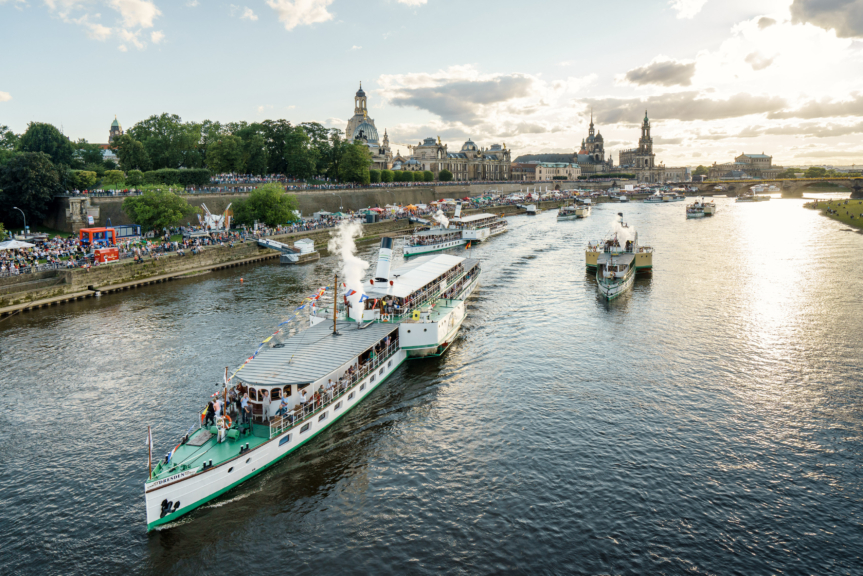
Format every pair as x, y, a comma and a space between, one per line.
386, 175
336, 152
45, 138
428, 176
300, 158
2, 231
269, 204
87, 153
255, 155
788, 173
8, 144
815, 172
113, 178
319, 140
131, 154
445, 176
134, 178
84, 179
156, 210
169, 142
276, 134
29, 181
226, 154
374, 176
700, 171
355, 162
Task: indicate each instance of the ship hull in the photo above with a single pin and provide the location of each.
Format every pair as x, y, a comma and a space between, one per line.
428, 249
611, 290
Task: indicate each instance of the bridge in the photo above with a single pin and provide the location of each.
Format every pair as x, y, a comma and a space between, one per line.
790, 187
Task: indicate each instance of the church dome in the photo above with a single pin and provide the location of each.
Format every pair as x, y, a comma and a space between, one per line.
598, 137
429, 142
367, 132
469, 146
360, 93
115, 124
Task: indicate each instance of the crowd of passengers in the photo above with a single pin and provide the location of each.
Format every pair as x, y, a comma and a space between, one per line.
248, 403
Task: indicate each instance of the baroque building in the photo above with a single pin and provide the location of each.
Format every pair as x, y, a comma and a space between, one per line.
469, 163
115, 131
744, 167
362, 128
642, 160
591, 156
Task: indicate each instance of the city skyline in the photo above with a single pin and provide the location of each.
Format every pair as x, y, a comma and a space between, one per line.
717, 78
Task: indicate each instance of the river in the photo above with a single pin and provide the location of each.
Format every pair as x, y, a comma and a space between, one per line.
709, 422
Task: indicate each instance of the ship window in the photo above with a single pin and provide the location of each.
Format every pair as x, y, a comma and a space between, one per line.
409, 331
305, 428
247, 460
381, 373
322, 417
390, 364
425, 330
372, 379
253, 395
277, 394
282, 442
363, 387
351, 396
337, 406
231, 469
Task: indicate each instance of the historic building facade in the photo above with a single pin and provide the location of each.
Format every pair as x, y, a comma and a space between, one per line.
116, 130
642, 161
591, 156
362, 128
470, 163
535, 171
745, 167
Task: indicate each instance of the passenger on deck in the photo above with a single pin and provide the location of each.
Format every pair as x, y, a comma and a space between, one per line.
217, 408
211, 413
283, 409
245, 410
265, 395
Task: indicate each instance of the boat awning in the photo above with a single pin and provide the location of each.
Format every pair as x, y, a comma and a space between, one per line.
625, 258
472, 218
411, 277
312, 354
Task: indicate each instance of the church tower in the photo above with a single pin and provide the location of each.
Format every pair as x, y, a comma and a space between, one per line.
116, 131
645, 143
360, 102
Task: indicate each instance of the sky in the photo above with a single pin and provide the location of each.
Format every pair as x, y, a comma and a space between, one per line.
716, 77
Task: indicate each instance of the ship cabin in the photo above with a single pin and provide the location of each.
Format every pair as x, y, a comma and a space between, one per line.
317, 362
611, 250
416, 285
446, 236
478, 227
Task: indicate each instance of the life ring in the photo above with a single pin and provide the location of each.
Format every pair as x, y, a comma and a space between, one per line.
228, 418
385, 317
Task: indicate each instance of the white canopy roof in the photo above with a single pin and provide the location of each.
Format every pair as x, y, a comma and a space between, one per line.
411, 277
14, 245
473, 217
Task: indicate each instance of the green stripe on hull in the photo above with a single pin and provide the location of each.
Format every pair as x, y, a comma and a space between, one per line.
435, 250
186, 509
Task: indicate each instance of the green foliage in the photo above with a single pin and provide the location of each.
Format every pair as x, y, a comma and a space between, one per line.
788, 173
168, 141
86, 153
558, 177
418, 176
45, 138
276, 134
113, 178
445, 176
387, 175
226, 154
428, 176
28, 181
156, 210
355, 162
319, 141
374, 176
336, 152
815, 172
621, 175
398, 175
194, 177
269, 204
3, 230
131, 154
700, 171
134, 178
84, 179
300, 156
255, 155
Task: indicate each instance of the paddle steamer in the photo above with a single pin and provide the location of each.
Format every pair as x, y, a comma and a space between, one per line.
616, 264
321, 373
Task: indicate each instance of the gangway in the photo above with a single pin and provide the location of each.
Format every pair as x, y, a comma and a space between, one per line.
301, 252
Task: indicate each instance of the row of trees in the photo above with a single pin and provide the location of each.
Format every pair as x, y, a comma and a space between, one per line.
811, 172
158, 209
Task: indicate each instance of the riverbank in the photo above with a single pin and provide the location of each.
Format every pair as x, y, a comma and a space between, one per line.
848, 212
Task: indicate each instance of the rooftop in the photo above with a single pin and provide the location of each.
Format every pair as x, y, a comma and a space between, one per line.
411, 277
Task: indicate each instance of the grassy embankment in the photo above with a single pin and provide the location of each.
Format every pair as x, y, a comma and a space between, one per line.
848, 212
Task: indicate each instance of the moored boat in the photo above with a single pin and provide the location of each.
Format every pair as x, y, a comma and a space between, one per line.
567, 212
533, 210
695, 210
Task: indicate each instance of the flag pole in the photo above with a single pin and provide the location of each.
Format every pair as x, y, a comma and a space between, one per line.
150, 451
335, 302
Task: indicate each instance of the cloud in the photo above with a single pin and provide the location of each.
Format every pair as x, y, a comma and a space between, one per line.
301, 12
696, 154
687, 106
759, 62
356, 47
824, 108
95, 30
131, 37
156, 37
765, 22
248, 14
663, 72
5, 96
831, 154
460, 100
192, 3
122, 48
844, 16
687, 8
136, 13
413, 2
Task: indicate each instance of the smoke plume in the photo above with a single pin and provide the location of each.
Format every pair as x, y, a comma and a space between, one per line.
353, 268
441, 218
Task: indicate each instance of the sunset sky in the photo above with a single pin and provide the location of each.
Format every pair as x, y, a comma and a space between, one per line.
717, 77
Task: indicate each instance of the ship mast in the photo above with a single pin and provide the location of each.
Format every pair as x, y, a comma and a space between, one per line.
335, 301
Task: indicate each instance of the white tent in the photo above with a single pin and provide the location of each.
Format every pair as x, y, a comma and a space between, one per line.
14, 245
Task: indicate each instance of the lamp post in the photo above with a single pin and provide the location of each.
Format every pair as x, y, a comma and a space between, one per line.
23, 216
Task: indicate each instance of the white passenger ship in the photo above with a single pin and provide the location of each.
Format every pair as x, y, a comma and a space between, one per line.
322, 372
459, 231
616, 264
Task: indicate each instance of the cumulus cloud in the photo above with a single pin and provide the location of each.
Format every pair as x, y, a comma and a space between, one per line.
824, 108
663, 72
687, 106
192, 3
136, 13
844, 16
95, 30
301, 12
759, 62
5, 96
765, 22
131, 37
687, 8
248, 14
355, 47
413, 2
156, 37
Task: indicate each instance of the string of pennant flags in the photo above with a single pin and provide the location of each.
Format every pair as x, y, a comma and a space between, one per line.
280, 327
